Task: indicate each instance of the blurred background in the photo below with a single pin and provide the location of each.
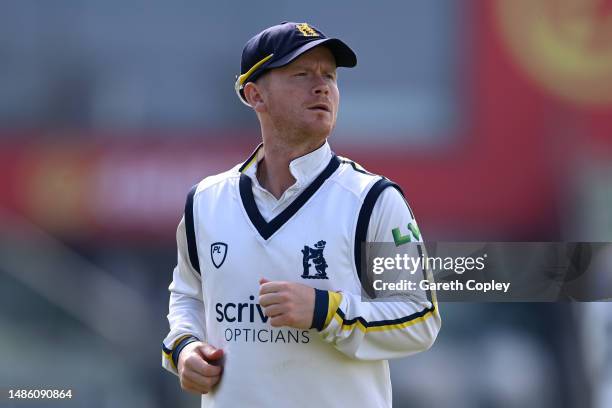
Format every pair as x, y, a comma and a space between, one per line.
495, 116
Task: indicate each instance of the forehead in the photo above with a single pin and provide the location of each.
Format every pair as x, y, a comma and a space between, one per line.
317, 55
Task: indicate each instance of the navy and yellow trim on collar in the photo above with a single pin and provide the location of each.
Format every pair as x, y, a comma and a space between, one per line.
252, 159
267, 229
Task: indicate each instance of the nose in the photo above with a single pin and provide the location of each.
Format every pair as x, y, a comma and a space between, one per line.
321, 86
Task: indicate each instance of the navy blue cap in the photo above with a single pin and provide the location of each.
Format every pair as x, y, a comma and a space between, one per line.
278, 45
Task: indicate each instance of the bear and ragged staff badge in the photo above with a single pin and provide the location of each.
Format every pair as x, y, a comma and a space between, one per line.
316, 256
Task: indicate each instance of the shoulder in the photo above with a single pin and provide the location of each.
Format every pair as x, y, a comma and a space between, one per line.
391, 218
216, 181
383, 206
363, 183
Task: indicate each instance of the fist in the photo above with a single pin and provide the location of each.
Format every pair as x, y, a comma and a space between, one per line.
287, 303
199, 367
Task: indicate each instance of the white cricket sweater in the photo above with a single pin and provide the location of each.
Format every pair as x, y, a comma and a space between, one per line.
234, 232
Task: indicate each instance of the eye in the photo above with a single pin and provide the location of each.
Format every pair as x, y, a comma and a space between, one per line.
300, 74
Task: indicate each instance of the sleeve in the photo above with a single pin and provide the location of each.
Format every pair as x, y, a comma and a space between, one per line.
186, 306
381, 328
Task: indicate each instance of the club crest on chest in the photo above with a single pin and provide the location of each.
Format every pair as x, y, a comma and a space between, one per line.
318, 261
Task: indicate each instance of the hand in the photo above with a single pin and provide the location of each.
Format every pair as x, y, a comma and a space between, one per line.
197, 367
287, 303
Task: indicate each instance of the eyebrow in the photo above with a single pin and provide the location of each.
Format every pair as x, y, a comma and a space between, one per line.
309, 66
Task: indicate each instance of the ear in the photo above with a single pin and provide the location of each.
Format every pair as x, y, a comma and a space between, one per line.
254, 96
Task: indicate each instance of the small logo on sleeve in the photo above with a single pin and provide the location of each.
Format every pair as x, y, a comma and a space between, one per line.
218, 253
316, 256
400, 239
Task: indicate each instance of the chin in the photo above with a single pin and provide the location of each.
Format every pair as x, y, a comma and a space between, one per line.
320, 126
320, 129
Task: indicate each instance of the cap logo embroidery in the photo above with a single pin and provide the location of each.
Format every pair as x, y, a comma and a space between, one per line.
306, 30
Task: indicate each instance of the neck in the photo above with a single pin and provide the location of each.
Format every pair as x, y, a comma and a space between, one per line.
273, 171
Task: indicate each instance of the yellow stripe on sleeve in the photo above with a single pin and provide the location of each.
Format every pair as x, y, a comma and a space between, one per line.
168, 355
359, 325
333, 304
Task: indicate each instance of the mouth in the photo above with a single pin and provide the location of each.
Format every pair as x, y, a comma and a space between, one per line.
320, 107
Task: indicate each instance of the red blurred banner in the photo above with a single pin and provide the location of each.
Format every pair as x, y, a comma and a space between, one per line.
540, 98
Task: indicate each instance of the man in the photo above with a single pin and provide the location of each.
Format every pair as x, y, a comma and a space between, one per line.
265, 304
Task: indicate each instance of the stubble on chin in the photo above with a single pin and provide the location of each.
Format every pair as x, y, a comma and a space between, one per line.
301, 132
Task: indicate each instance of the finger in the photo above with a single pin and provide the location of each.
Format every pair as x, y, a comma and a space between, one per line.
202, 367
272, 287
279, 321
201, 380
272, 299
274, 310
210, 370
215, 356
191, 386
201, 385
263, 280
210, 353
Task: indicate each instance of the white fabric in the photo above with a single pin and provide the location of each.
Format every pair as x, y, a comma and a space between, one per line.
267, 366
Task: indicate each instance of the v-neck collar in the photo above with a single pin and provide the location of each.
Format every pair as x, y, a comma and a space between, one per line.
267, 229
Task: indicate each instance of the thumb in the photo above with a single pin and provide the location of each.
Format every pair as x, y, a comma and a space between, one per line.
210, 353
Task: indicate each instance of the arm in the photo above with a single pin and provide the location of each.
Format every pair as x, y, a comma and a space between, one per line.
184, 354
186, 306
381, 330
361, 330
